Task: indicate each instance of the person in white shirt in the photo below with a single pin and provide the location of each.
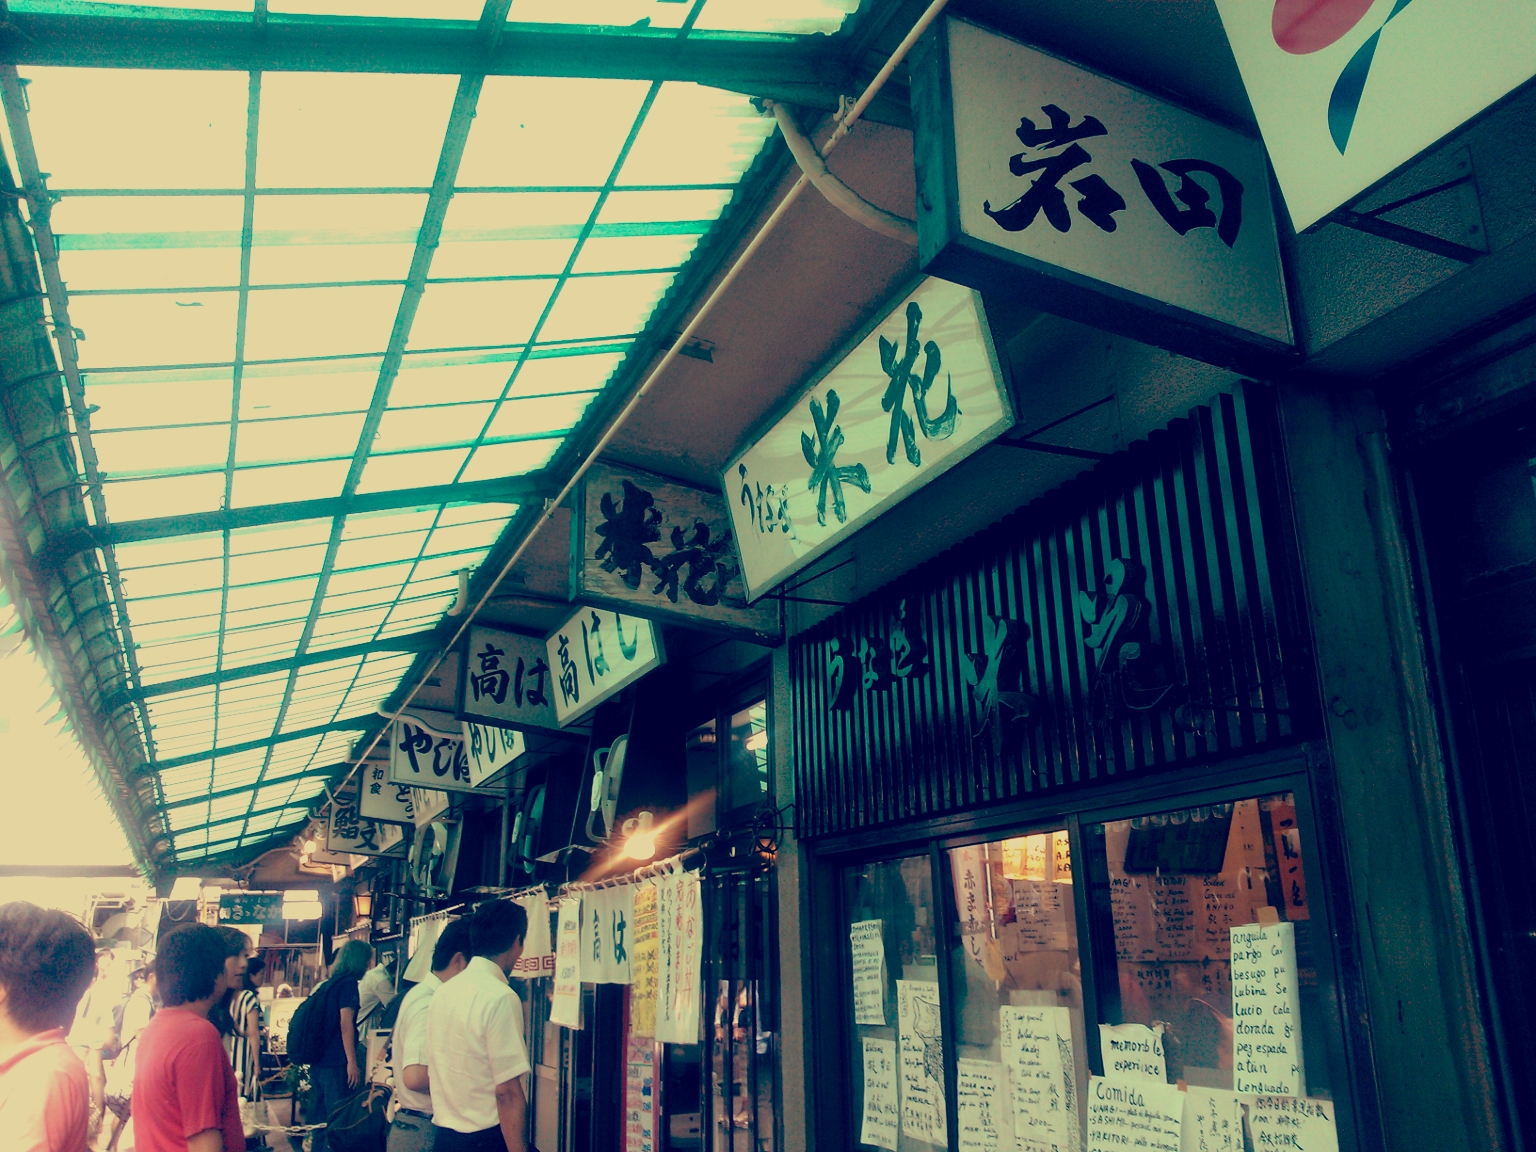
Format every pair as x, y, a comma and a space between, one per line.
374, 992
476, 1055
411, 1130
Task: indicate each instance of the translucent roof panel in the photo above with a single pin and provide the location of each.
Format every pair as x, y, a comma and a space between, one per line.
250, 348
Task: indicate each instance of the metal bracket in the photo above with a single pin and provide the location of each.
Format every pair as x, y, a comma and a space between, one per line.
1460, 214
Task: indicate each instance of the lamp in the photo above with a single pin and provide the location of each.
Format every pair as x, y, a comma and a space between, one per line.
301, 904
362, 904
640, 837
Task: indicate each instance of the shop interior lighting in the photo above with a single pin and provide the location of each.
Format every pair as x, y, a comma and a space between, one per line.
301, 904
362, 905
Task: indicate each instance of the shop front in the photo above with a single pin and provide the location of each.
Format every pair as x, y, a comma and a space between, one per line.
1074, 860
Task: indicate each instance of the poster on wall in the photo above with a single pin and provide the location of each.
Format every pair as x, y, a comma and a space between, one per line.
1087, 198
1347, 92
664, 550
907, 399
595, 654
505, 679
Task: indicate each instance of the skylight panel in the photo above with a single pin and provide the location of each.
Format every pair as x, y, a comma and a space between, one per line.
602, 254
173, 579
366, 524
435, 383
285, 483
273, 537
351, 129
150, 331
412, 469
464, 537
377, 550
506, 234
171, 550
659, 14
525, 125
282, 564
266, 441
162, 451
131, 128
479, 315
202, 604
312, 389
549, 374
172, 496
605, 306
160, 632
349, 627
367, 579
246, 644
794, 17
510, 459
130, 400
178, 653
269, 597
406, 428
399, 9
696, 135
121, 242
330, 238
289, 323
671, 204
543, 416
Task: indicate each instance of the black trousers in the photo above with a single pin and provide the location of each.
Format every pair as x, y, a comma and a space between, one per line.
486, 1140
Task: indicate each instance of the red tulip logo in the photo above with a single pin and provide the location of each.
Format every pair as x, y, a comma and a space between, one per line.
1304, 26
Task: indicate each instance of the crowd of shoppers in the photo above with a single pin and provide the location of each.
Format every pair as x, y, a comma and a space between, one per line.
169, 1062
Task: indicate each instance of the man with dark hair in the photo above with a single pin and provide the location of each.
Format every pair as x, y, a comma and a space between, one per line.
411, 1130
46, 964
475, 1049
185, 1098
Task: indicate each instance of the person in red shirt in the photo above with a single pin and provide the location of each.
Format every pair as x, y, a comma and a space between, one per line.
46, 964
185, 1098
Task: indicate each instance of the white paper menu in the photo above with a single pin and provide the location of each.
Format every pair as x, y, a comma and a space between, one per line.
1037, 1050
867, 939
882, 1110
1266, 1011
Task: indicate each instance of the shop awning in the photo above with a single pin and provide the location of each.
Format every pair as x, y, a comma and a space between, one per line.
333, 328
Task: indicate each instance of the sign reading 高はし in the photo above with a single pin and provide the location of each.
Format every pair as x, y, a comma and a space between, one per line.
910, 397
1081, 196
1348, 91
596, 653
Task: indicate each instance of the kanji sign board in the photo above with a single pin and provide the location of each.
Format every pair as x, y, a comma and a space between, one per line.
596, 653
348, 831
1347, 91
911, 396
1083, 197
505, 679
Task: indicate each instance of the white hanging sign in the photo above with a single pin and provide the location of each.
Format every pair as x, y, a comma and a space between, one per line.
489, 749
1082, 196
680, 958
426, 750
596, 653
538, 958
1347, 92
382, 800
565, 1009
505, 679
912, 395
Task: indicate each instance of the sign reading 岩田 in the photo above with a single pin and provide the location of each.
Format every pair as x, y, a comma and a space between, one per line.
910, 397
662, 549
505, 679
1092, 200
1347, 91
594, 654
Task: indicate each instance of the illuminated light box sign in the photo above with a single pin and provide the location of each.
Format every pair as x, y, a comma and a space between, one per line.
907, 399
1348, 91
663, 550
596, 653
505, 679
1080, 196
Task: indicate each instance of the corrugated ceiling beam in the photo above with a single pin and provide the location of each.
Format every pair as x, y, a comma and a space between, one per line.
408, 642
509, 490
352, 724
797, 69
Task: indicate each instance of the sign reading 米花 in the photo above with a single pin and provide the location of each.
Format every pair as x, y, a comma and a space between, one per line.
1347, 91
910, 397
1090, 199
505, 679
664, 550
594, 654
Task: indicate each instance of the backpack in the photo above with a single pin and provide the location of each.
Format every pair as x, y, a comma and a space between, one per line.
307, 1031
360, 1122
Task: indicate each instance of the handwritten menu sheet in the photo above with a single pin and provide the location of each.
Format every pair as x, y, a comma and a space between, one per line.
1037, 1051
1126, 1115
868, 971
1040, 908
566, 1007
1133, 1052
640, 1095
1266, 1011
981, 1105
643, 963
1213, 1120
922, 1061
882, 1111
1291, 1124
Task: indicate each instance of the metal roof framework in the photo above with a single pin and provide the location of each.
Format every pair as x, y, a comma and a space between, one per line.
334, 300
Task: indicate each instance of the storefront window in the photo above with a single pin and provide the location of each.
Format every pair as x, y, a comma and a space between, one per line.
1018, 995
1167, 891
746, 763
898, 1038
